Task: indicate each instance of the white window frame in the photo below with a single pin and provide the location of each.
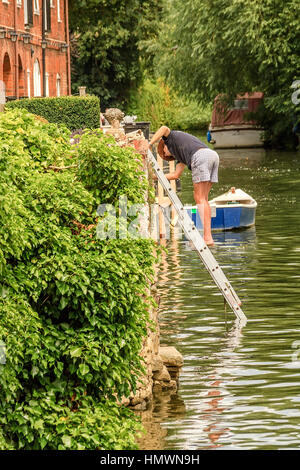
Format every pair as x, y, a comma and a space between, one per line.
52, 4
37, 85
36, 7
58, 11
46, 19
25, 12
19, 3
47, 84
58, 85
28, 84
5, 1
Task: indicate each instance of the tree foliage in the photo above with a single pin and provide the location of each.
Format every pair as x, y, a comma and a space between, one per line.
73, 309
232, 46
105, 45
158, 103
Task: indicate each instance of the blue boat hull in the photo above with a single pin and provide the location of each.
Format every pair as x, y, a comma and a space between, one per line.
226, 218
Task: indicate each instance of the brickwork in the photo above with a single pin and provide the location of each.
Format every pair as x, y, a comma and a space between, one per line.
18, 59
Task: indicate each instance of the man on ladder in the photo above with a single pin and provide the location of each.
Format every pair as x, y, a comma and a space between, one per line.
189, 151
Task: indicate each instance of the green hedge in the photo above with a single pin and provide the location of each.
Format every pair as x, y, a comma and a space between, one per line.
75, 112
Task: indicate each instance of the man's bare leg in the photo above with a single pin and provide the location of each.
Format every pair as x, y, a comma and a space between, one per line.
201, 192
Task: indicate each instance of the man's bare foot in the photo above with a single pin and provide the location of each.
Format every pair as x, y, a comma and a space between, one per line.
209, 242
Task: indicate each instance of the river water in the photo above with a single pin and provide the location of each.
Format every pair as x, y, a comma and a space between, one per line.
238, 388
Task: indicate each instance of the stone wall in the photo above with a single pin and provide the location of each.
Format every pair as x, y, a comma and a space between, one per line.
162, 364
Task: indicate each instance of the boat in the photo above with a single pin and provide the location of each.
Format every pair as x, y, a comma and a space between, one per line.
234, 209
231, 127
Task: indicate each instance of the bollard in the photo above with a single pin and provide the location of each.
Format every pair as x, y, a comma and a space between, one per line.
82, 90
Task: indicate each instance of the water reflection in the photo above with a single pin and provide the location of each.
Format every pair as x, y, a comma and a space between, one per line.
229, 237
241, 157
238, 389
212, 403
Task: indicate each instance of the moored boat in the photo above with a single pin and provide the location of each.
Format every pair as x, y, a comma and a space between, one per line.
232, 210
231, 127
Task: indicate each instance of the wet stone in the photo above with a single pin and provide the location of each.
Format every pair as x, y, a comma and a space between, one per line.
170, 356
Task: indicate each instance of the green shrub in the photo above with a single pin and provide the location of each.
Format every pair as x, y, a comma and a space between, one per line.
46, 424
75, 112
156, 102
111, 175
73, 308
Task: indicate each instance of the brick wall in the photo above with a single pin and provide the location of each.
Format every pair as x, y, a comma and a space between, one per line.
18, 60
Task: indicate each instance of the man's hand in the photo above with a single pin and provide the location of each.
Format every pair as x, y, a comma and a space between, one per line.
162, 131
177, 173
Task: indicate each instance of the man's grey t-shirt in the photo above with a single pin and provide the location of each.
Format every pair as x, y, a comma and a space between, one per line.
183, 146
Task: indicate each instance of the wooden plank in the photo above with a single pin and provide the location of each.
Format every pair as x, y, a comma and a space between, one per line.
162, 226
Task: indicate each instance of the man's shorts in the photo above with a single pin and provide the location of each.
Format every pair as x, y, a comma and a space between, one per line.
205, 165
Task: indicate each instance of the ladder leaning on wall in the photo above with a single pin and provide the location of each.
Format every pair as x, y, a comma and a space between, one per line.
194, 236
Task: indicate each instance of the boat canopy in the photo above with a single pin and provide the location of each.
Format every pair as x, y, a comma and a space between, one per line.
233, 195
223, 115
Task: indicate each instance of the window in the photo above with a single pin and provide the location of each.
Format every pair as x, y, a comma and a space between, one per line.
19, 3
58, 11
240, 104
28, 13
25, 12
58, 85
36, 7
47, 16
28, 84
37, 79
52, 3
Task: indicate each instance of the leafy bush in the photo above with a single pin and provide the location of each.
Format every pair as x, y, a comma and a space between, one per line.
279, 125
75, 112
112, 175
156, 102
47, 424
73, 308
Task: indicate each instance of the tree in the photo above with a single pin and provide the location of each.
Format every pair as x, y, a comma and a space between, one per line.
233, 46
105, 45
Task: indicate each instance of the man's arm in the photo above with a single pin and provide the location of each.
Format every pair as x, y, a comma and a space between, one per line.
162, 131
178, 170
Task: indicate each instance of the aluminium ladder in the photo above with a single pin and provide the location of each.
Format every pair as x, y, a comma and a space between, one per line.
194, 236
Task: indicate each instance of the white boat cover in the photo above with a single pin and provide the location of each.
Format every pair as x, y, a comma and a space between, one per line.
233, 195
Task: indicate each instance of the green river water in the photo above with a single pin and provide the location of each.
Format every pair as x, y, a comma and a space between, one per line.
238, 388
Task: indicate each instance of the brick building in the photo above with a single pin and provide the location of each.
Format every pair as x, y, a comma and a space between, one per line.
34, 48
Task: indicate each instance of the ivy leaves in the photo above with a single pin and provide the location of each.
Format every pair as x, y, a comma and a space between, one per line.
73, 309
